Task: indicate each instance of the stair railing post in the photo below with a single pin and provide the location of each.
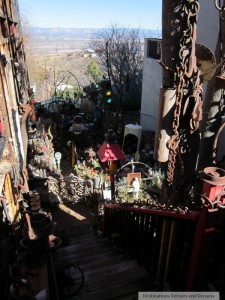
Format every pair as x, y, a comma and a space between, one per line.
106, 221
205, 226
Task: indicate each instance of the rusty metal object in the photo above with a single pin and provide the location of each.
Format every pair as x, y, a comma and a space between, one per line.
25, 111
43, 162
213, 194
215, 144
220, 81
173, 143
35, 203
164, 129
192, 60
192, 108
75, 189
206, 62
217, 4
213, 175
31, 233
187, 78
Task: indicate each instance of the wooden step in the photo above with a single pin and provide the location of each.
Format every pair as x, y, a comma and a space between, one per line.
108, 274
78, 248
85, 239
101, 281
80, 239
103, 260
76, 239
79, 230
109, 267
92, 259
76, 254
114, 291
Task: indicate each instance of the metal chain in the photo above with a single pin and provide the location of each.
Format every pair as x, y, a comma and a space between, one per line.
173, 143
215, 203
216, 143
222, 69
221, 9
217, 5
184, 77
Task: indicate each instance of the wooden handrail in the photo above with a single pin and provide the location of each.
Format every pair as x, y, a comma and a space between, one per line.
169, 244
192, 215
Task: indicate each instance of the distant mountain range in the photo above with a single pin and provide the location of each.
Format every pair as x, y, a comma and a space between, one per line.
83, 33
46, 40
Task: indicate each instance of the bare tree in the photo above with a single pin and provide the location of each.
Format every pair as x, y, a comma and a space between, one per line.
121, 58
36, 71
56, 79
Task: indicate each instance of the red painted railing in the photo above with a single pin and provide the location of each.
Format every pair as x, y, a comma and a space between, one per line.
173, 247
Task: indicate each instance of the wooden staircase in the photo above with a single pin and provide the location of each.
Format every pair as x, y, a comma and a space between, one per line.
98, 270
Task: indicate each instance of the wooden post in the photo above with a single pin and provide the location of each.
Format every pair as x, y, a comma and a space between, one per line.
106, 221
202, 240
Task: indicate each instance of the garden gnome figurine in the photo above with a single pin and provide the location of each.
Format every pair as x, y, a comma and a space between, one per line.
136, 187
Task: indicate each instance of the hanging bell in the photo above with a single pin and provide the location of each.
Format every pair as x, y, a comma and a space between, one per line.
220, 82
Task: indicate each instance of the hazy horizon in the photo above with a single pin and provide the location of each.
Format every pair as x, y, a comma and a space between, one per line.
92, 14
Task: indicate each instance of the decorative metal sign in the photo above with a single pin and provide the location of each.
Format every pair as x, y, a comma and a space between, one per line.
131, 176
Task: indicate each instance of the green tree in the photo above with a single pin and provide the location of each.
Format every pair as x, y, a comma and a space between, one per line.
94, 71
74, 92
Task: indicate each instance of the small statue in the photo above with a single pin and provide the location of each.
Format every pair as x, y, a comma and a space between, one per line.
136, 188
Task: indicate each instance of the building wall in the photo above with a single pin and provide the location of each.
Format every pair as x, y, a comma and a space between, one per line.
14, 86
152, 81
208, 24
207, 34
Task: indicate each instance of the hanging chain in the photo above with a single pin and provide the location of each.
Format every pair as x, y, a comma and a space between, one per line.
185, 74
173, 143
218, 6
221, 9
222, 71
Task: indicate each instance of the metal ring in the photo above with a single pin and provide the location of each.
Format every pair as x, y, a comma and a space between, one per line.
207, 202
221, 12
218, 7
193, 5
181, 52
221, 205
197, 9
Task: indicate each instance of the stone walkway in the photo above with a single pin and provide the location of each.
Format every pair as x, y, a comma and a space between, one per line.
78, 217
74, 216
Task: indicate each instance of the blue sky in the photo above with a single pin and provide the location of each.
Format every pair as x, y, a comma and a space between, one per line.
92, 13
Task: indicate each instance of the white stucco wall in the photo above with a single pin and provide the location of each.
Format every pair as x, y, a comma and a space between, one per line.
152, 81
207, 34
208, 24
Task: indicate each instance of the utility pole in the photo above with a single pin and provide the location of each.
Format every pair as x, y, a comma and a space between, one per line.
179, 24
171, 34
46, 82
